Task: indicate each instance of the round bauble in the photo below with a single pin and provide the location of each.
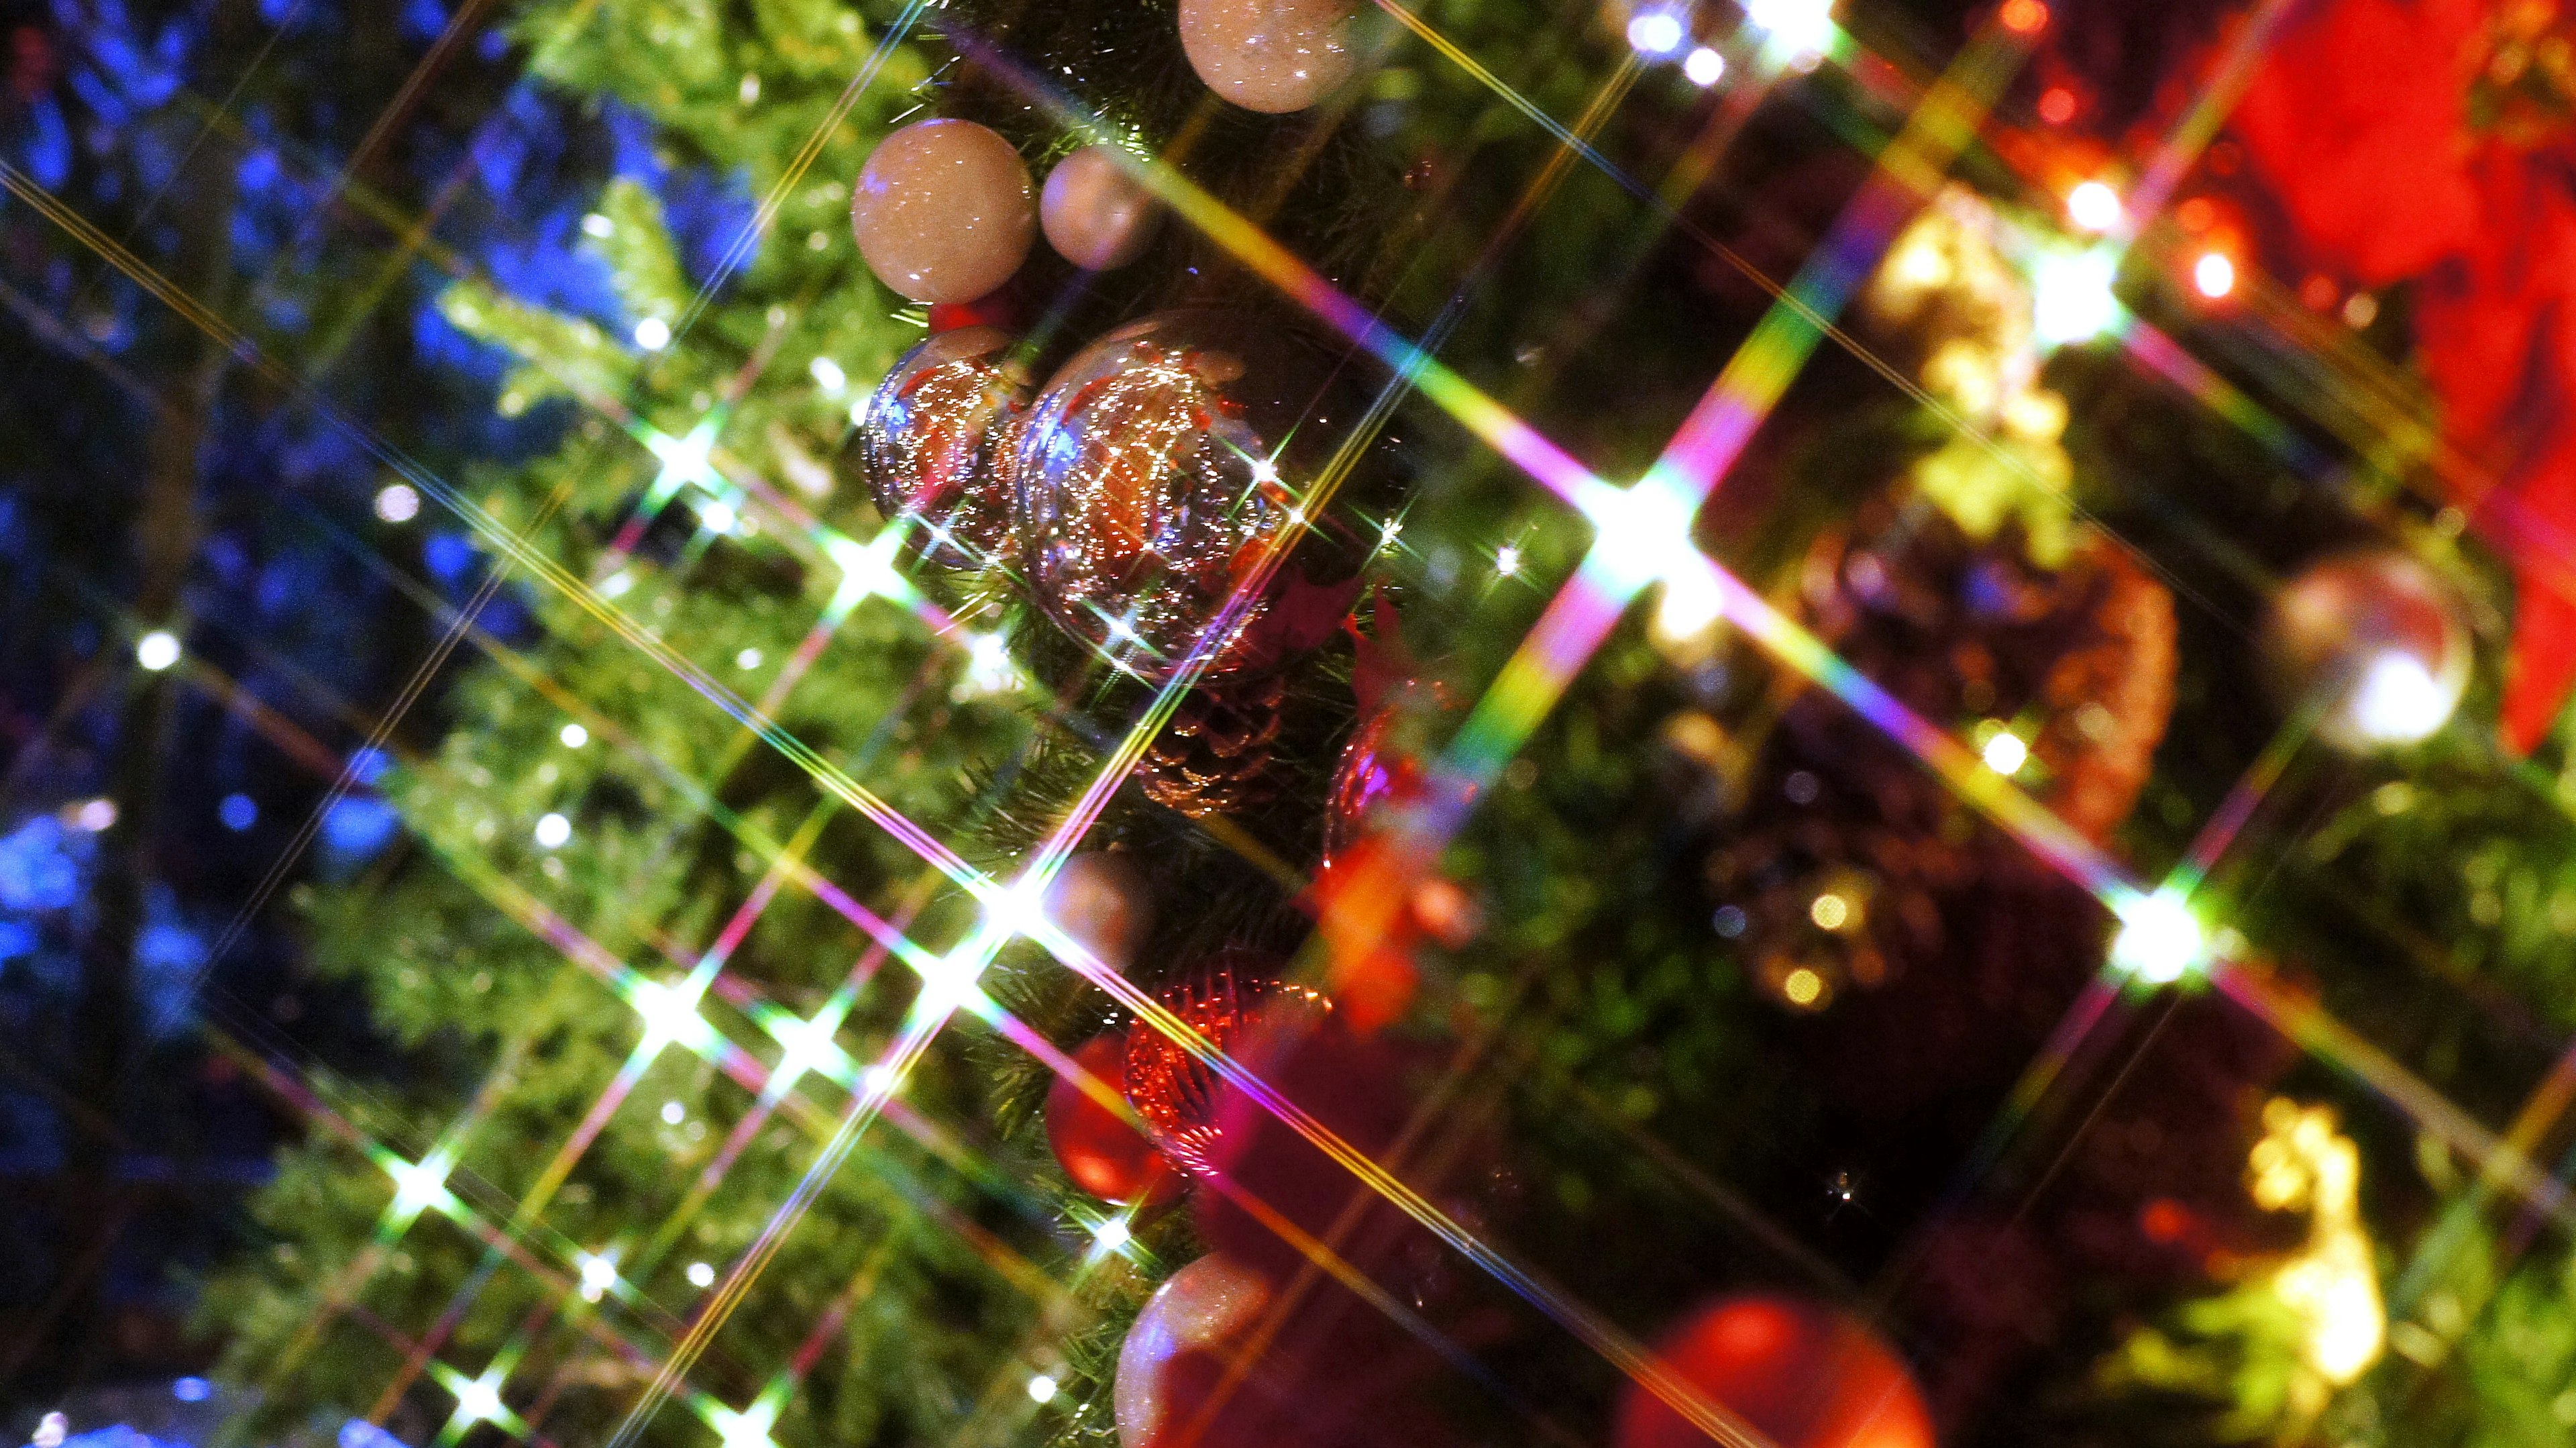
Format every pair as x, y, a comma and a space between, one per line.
934, 444
1095, 214
1184, 1344
1351, 1085
1227, 1000
1270, 55
2375, 640
1802, 1374
943, 211
1156, 472
1100, 1151
1101, 901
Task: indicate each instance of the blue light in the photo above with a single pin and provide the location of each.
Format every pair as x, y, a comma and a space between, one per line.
192, 1390
238, 812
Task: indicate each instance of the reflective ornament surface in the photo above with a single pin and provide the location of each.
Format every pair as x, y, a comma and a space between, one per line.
1095, 214
943, 211
1224, 1000
1101, 901
1154, 473
1270, 55
1199, 1320
934, 445
1100, 1151
2373, 639
1801, 1373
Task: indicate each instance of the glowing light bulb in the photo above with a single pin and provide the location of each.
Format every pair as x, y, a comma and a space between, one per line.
673, 1113
574, 736
597, 225
553, 831
157, 650
598, 1274
1507, 559
2160, 940
398, 503
2005, 754
1795, 32
1041, 1389
829, 376
2072, 299
2214, 275
700, 1275
1655, 33
2094, 206
1802, 987
652, 334
1830, 911
1704, 67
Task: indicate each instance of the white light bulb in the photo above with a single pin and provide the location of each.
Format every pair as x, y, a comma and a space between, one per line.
700, 1275
2005, 754
398, 503
829, 375
1655, 33
652, 334
157, 650
2214, 274
1041, 1389
1704, 67
2094, 206
553, 830
574, 736
2160, 940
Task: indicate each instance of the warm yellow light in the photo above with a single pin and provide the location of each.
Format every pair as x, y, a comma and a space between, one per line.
2005, 754
1830, 911
1802, 987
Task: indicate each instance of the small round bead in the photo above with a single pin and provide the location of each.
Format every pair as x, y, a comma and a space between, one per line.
1270, 55
943, 211
1096, 215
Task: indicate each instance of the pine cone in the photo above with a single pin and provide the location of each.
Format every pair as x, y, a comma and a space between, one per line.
1214, 756
1848, 861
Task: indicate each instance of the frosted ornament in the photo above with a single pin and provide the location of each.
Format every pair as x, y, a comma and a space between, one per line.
943, 211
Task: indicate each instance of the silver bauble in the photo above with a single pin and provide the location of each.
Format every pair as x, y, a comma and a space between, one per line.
934, 445
1155, 472
2375, 641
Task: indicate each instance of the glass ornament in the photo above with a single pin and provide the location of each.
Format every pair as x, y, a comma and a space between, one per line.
934, 446
1156, 472
2373, 639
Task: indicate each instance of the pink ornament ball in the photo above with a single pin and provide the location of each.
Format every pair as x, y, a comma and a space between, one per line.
1186, 1343
943, 211
1096, 215
1274, 56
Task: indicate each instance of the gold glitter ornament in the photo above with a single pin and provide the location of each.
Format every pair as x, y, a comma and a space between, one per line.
934, 445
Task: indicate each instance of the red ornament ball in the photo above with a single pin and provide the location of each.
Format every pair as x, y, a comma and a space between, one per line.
1803, 1374
1224, 1000
1100, 1150
1183, 1346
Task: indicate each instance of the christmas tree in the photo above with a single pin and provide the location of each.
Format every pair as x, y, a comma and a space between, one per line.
1634, 726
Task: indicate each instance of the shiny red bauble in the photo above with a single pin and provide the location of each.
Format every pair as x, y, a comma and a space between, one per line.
1101, 1151
1802, 1374
1224, 1000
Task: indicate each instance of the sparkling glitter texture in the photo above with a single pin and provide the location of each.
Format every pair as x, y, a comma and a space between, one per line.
934, 444
1152, 474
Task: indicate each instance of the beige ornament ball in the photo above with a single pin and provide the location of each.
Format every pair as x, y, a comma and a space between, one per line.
1096, 215
943, 211
1270, 55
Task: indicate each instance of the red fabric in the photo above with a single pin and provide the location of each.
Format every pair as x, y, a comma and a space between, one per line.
2359, 119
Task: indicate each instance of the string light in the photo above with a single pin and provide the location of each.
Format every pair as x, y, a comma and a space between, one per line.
2160, 940
2005, 754
553, 831
1042, 1389
398, 503
828, 375
1704, 67
2214, 275
2094, 206
1655, 33
157, 650
652, 334
574, 736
